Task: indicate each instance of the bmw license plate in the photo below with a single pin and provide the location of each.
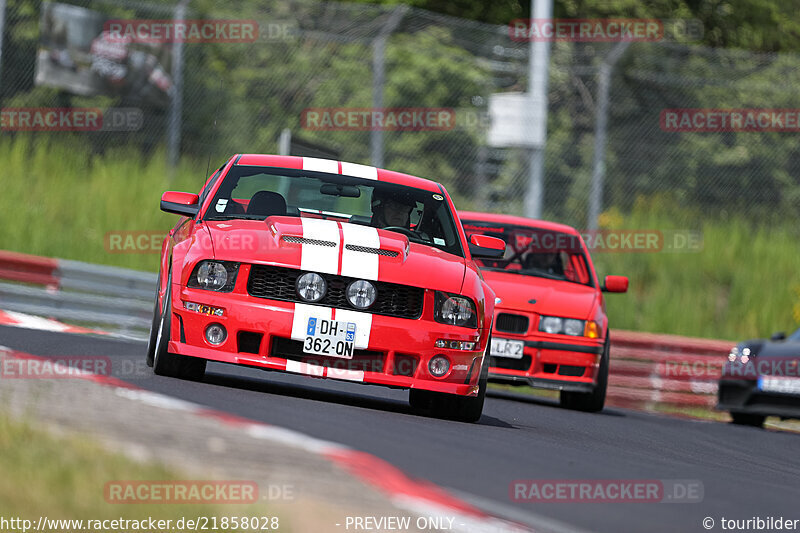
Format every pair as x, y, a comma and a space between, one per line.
779, 384
507, 348
332, 338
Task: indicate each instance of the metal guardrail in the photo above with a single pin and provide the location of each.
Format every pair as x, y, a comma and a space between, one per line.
116, 299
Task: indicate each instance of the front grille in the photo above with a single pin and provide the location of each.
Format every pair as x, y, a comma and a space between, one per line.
364, 360
368, 250
508, 323
278, 283
511, 364
249, 341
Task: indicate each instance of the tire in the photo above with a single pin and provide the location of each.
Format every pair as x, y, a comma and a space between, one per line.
170, 364
590, 402
748, 419
151, 343
451, 406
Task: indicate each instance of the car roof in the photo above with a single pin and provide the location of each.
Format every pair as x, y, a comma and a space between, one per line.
495, 218
312, 163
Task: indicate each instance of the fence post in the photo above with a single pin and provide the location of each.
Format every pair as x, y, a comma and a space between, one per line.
601, 126
2, 34
379, 79
176, 103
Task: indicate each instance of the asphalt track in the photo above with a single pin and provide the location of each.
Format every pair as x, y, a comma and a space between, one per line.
744, 472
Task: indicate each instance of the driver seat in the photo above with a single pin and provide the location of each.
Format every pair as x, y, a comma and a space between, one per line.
266, 204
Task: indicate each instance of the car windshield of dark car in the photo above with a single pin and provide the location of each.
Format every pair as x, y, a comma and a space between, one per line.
794, 337
255, 193
535, 252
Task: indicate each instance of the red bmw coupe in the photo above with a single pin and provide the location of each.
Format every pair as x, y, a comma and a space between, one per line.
550, 326
327, 269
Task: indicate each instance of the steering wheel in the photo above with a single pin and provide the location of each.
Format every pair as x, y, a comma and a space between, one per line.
400, 229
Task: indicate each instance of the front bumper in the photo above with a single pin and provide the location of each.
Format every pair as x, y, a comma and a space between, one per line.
743, 396
259, 334
550, 364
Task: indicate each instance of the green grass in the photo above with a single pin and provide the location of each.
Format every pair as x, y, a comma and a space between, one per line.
64, 478
59, 201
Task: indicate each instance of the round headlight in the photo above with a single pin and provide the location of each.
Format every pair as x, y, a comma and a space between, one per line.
361, 294
552, 324
573, 327
212, 275
311, 287
456, 311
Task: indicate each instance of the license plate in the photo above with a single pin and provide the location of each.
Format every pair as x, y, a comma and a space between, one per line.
776, 384
332, 338
507, 348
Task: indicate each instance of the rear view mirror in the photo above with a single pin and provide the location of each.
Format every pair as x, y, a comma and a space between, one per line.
485, 246
615, 284
180, 203
335, 189
778, 336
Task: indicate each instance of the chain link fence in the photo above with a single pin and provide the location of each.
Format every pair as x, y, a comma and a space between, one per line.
248, 94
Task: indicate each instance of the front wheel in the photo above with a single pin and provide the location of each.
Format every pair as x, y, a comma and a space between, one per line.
170, 364
590, 402
461, 408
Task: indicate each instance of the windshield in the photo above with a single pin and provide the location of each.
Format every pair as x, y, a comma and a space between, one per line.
251, 192
535, 252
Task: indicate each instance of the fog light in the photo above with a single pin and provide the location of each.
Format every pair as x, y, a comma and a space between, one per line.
311, 287
216, 334
439, 366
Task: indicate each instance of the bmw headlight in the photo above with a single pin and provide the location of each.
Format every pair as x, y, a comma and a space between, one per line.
564, 326
311, 287
217, 276
361, 294
454, 310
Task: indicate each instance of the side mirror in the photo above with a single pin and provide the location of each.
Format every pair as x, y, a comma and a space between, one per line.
180, 203
615, 284
485, 246
778, 336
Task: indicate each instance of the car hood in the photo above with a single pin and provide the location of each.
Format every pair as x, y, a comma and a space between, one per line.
280, 241
557, 298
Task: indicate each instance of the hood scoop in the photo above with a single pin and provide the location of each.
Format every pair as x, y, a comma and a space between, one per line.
295, 239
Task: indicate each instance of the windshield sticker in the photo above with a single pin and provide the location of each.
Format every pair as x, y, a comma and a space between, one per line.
438, 197
221, 205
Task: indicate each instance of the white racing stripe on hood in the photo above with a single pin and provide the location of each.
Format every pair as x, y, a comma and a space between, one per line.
316, 258
359, 171
363, 322
302, 312
321, 165
356, 264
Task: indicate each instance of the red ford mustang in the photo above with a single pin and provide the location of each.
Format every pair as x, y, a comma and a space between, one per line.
328, 269
550, 327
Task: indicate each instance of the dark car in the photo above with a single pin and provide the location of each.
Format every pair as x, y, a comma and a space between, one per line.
762, 378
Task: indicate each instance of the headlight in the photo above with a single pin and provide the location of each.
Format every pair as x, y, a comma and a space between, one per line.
217, 276
311, 287
361, 294
454, 310
565, 326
